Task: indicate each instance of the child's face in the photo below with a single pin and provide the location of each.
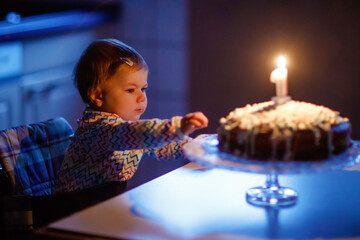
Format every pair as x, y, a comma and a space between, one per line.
125, 94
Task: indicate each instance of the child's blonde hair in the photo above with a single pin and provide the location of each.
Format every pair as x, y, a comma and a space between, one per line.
100, 61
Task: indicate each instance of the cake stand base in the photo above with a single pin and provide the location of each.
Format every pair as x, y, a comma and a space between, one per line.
204, 150
271, 194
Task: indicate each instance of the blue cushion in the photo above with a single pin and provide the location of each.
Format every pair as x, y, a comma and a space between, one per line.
32, 154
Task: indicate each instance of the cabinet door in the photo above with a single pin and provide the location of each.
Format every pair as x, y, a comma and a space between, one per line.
9, 106
49, 94
5, 114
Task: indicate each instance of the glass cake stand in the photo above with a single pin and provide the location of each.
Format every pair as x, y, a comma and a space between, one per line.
204, 150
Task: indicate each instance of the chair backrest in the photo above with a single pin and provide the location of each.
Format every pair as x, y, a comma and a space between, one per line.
31, 155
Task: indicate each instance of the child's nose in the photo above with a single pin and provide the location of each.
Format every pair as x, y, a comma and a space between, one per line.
142, 97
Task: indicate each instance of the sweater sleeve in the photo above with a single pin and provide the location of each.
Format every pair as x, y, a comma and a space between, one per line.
144, 134
172, 150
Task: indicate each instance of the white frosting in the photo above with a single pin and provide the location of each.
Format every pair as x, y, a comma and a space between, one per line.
284, 118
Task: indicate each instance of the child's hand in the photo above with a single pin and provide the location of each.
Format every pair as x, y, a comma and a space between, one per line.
193, 121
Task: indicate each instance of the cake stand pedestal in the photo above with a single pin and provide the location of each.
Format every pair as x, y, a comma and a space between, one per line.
271, 193
204, 150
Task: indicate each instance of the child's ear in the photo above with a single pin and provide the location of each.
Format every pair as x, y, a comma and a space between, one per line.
95, 96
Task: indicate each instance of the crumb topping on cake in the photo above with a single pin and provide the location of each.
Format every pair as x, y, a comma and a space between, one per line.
284, 131
283, 118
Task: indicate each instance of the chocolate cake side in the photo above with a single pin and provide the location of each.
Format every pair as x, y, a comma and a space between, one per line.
321, 141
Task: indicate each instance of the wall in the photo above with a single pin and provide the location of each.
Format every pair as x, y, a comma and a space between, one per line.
158, 30
234, 44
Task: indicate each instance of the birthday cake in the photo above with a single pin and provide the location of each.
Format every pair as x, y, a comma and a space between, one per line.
289, 131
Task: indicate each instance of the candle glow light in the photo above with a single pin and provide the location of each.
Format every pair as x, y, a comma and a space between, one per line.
279, 77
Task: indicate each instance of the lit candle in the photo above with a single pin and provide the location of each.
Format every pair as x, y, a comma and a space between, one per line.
279, 77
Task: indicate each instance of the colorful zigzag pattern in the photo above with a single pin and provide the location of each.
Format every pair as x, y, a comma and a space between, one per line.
106, 148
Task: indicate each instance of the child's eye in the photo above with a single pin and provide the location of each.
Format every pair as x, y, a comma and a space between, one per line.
143, 89
130, 90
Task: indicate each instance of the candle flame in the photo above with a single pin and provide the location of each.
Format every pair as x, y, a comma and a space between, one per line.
281, 62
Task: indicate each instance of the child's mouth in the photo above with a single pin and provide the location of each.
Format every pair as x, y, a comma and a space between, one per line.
140, 110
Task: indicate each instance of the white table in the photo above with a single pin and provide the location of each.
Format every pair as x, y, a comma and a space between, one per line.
196, 203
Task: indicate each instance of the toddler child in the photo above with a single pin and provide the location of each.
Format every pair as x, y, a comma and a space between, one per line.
110, 140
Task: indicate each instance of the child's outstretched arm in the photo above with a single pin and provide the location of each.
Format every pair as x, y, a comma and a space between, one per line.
153, 133
189, 123
192, 122
117, 135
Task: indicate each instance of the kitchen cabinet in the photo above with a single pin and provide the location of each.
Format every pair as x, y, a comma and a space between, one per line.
37, 59
48, 94
9, 105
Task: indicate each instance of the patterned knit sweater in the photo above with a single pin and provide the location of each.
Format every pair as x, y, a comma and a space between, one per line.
106, 148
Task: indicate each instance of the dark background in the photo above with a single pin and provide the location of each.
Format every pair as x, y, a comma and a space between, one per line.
234, 46
231, 48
